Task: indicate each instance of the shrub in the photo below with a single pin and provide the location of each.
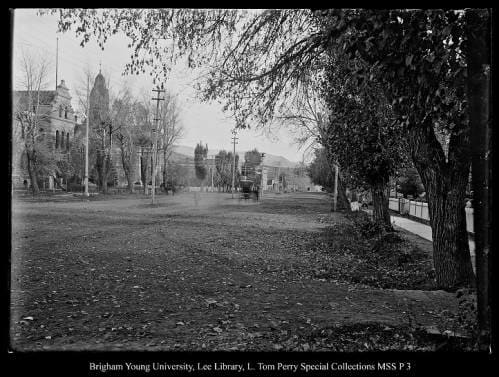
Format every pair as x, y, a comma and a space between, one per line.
367, 227
367, 254
75, 187
467, 312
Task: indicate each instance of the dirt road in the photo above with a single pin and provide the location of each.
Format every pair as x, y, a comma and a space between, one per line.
218, 274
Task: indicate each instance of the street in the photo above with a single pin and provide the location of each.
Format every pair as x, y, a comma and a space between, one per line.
216, 274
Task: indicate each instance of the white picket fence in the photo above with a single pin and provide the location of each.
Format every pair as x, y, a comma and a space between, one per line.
420, 210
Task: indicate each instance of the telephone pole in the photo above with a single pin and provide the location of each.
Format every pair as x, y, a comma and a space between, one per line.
211, 169
278, 177
56, 61
335, 192
234, 141
85, 179
154, 147
262, 183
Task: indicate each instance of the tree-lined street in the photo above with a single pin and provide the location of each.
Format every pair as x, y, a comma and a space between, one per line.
119, 274
392, 109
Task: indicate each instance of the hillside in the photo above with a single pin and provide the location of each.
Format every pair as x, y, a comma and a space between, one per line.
183, 151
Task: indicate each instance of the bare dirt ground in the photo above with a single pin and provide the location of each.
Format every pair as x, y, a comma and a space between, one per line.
211, 273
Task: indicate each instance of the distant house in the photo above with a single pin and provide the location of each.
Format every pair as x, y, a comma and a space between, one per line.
294, 179
57, 129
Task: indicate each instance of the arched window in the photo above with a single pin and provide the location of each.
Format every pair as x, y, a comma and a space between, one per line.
67, 141
56, 139
60, 111
62, 140
66, 112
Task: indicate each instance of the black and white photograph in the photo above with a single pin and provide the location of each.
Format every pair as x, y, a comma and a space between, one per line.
304, 182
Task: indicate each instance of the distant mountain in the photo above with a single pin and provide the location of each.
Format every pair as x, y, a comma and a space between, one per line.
182, 151
185, 150
273, 160
180, 157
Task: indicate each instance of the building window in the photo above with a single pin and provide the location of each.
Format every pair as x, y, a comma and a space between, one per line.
60, 111
66, 113
76, 118
56, 139
67, 141
62, 140
22, 131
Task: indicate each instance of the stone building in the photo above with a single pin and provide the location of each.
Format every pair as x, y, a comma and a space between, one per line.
63, 134
100, 110
57, 127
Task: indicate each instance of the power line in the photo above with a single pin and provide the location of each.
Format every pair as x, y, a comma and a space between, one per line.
112, 81
43, 32
234, 141
157, 99
114, 68
78, 64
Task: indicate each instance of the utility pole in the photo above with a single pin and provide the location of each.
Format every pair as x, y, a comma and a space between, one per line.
262, 183
335, 192
56, 60
212, 168
85, 179
278, 177
159, 91
234, 141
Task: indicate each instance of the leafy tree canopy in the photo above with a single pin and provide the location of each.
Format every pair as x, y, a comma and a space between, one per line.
255, 59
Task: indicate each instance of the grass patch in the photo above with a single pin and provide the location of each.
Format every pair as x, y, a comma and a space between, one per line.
362, 253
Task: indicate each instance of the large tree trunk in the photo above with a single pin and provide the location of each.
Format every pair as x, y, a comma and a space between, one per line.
130, 184
445, 182
448, 224
342, 200
478, 24
381, 212
143, 170
102, 168
342, 203
32, 174
165, 180
127, 169
128, 176
165, 176
103, 175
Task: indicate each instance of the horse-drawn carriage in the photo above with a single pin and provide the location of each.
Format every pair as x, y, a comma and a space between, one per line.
248, 190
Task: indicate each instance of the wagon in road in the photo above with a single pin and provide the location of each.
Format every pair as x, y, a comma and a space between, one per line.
247, 191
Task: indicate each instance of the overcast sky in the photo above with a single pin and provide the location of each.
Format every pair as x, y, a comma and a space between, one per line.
203, 121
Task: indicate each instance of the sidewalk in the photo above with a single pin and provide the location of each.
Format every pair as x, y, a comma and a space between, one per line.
424, 231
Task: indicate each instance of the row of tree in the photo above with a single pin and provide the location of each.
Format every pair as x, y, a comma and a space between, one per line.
121, 127
224, 170
126, 123
373, 87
